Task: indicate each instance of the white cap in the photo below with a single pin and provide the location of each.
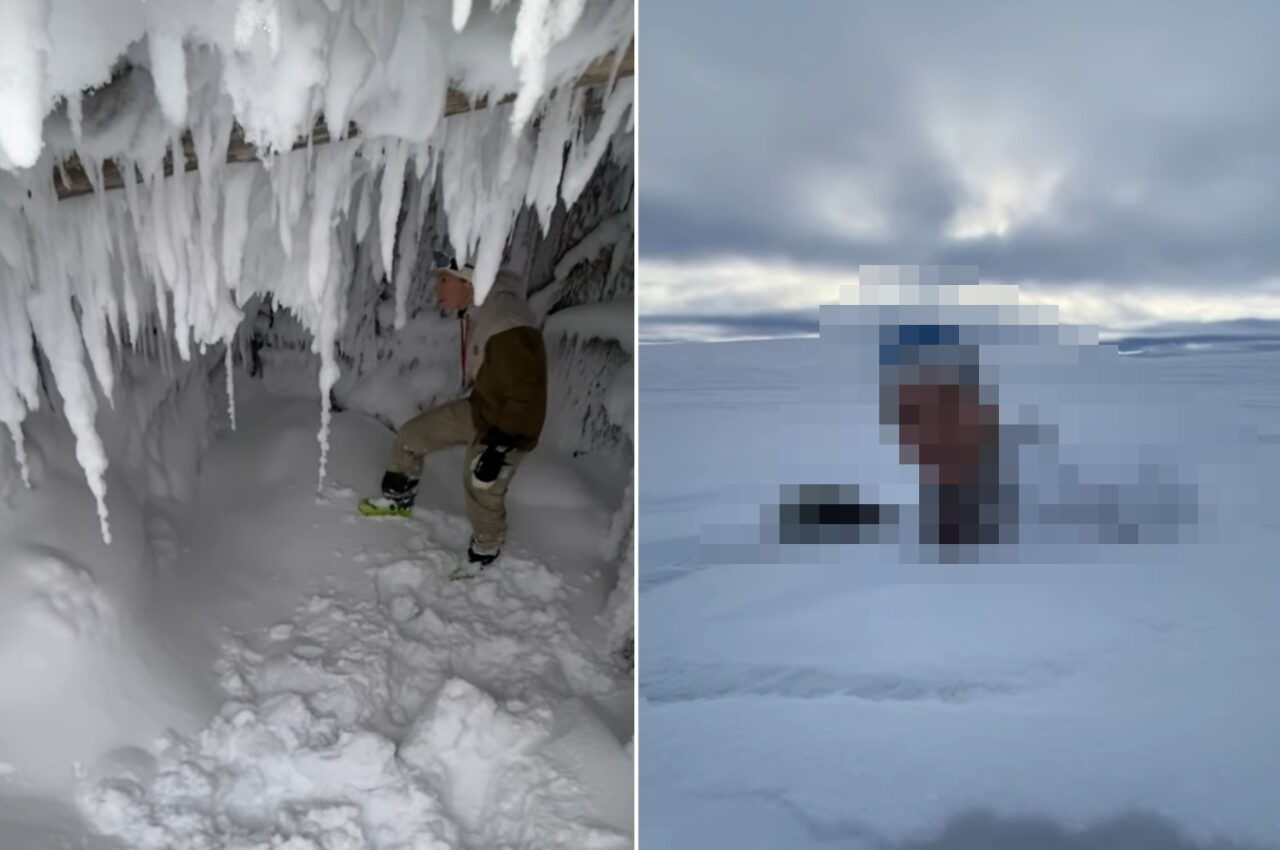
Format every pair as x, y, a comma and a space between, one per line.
467, 272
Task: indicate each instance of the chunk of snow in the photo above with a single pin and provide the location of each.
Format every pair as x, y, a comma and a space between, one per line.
539, 25
169, 71
613, 320
461, 11
23, 47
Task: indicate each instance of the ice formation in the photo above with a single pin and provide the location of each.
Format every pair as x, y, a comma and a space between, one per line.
181, 256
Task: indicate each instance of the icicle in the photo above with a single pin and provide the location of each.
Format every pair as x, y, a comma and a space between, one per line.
558, 122
461, 12
175, 234
392, 195
350, 63
93, 171
332, 173
539, 25
52, 319
410, 235
75, 114
231, 386
468, 147
499, 204
169, 71
94, 315
326, 336
364, 213
214, 312
20, 452
288, 179
235, 221
583, 159
332, 168
23, 40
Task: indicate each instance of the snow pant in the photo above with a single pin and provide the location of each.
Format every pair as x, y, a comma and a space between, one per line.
450, 425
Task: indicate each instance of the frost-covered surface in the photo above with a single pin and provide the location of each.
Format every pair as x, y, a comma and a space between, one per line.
614, 320
190, 252
285, 62
846, 699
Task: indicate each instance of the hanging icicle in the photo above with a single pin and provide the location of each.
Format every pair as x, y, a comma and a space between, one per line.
169, 263
231, 386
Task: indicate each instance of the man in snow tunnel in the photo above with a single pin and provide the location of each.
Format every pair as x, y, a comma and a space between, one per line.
948, 425
504, 363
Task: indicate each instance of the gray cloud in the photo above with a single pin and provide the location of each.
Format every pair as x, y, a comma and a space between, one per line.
710, 325
840, 133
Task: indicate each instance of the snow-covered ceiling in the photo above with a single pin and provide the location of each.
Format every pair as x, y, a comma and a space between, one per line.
131, 82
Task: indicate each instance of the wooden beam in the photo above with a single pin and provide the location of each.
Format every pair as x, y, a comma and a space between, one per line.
70, 179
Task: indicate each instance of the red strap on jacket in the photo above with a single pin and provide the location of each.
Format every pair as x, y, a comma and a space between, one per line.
464, 330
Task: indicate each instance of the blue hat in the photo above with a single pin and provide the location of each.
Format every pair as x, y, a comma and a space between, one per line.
911, 354
904, 344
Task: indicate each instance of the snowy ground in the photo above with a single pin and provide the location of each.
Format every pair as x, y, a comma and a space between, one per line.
845, 702
265, 669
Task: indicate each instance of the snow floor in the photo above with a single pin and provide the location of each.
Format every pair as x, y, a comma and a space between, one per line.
857, 704
282, 673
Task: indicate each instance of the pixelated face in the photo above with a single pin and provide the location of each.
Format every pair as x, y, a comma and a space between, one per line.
453, 292
947, 427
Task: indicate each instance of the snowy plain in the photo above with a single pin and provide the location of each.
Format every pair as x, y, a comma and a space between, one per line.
1120, 698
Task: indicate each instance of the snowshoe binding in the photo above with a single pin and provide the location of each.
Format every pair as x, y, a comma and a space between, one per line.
482, 555
398, 492
382, 506
478, 557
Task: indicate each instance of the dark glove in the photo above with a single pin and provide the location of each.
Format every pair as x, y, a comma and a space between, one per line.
488, 466
499, 438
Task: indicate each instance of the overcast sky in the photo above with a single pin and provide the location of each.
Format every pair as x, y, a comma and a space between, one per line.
1121, 159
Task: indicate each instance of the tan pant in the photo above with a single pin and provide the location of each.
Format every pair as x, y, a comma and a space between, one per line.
450, 425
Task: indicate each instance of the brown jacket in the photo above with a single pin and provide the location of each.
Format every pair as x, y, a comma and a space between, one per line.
507, 361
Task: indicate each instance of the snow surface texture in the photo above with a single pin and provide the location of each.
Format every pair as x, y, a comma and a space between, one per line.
361, 700
851, 699
376, 724
193, 250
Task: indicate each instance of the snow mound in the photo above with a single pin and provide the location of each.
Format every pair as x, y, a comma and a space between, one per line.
49, 594
441, 714
613, 320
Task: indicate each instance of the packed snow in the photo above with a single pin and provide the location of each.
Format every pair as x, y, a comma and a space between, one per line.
360, 696
1083, 696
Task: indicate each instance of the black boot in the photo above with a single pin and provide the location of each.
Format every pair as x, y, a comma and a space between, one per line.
400, 488
482, 555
